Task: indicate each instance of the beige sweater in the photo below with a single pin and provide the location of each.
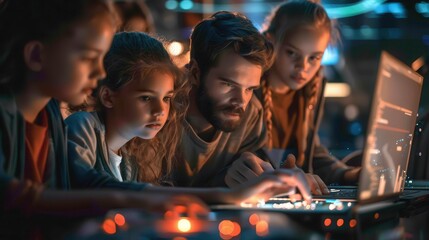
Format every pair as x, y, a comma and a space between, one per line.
204, 164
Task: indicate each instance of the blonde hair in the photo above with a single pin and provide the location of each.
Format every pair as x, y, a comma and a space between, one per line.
282, 22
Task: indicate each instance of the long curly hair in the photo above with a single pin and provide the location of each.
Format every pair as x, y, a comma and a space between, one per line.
280, 24
136, 55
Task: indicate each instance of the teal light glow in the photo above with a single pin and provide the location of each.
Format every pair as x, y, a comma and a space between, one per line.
171, 4
338, 11
186, 4
334, 10
331, 56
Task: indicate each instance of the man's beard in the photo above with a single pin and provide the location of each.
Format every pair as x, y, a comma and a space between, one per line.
207, 107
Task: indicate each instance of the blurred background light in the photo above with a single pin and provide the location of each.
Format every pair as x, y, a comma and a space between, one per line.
175, 48
171, 4
186, 4
331, 56
337, 90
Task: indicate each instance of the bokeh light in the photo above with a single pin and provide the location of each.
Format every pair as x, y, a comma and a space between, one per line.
184, 225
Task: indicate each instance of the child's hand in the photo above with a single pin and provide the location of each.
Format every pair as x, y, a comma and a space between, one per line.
270, 184
247, 167
317, 186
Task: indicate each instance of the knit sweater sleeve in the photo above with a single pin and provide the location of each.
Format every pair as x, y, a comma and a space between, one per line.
82, 147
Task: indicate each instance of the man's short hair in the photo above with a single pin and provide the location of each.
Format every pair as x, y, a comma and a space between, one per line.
226, 30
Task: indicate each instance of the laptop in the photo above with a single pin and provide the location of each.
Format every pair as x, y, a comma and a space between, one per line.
389, 138
385, 156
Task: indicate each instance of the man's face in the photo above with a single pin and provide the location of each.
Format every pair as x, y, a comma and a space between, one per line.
226, 90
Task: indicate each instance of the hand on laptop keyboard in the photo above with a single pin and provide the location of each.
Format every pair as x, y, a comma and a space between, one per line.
317, 186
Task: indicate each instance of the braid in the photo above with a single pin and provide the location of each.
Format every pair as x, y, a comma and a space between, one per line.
312, 89
268, 104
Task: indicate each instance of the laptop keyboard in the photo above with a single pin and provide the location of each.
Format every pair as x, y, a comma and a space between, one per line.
352, 193
341, 193
327, 205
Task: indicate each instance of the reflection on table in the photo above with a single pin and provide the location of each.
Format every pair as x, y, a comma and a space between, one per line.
245, 224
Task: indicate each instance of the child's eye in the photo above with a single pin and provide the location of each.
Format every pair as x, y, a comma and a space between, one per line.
145, 98
167, 99
315, 58
290, 53
88, 59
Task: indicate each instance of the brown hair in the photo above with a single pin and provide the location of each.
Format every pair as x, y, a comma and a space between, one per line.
136, 9
284, 21
136, 55
223, 30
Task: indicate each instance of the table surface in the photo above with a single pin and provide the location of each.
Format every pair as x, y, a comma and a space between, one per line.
404, 220
246, 224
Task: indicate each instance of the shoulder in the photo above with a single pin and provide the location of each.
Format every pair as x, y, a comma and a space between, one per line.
84, 119
53, 108
11, 120
81, 116
7, 104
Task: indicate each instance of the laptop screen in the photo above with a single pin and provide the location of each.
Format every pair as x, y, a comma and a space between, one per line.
390, 130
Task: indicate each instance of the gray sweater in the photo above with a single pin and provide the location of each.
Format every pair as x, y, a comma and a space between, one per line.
205, 164
86, 135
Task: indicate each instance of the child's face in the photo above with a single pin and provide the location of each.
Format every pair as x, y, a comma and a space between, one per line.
299, 57
73, 64
226, 90
141, 107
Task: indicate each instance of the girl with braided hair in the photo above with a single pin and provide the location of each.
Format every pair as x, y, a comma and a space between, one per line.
292, 92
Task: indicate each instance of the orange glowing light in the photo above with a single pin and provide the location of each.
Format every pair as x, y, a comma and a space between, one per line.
119, 219
262, 228
254, 219
226, 227
168, 214
353, 223
184, 225
109, 226
225, 237
327, 222
179, 209
340, 222
237, 230
376, 216
179, 238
